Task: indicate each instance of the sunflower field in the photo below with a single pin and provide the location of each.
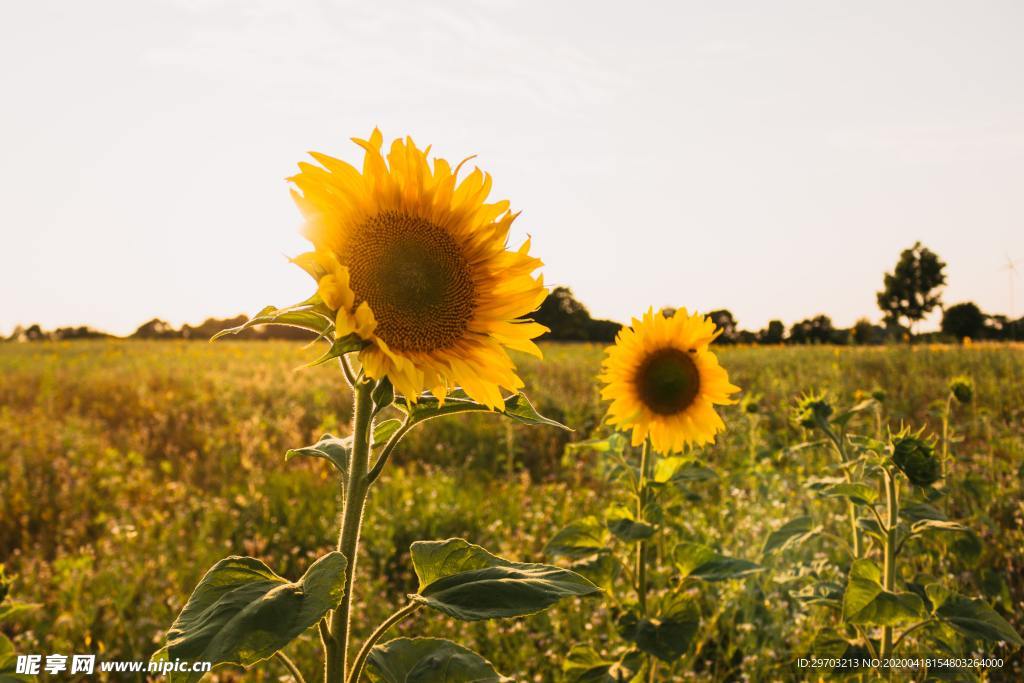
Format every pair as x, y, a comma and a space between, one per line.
129, 469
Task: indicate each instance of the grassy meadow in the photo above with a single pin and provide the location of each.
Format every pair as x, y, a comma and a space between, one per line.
128, 468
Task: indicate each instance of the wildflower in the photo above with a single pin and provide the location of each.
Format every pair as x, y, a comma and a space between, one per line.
811, 410
663, 381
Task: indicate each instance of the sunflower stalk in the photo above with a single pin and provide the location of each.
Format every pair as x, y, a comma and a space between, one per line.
336, 667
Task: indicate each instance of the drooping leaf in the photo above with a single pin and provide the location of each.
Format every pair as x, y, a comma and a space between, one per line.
517, 407
666, 636
585, 665
865, 601
622, 522
936, 525
242, 612
702, 562
311, 315
793, 532
581, 538
428, 660
383, 394
976, 619
334, 449
384, 430
465, 581
916, 512
339, 347
861, 494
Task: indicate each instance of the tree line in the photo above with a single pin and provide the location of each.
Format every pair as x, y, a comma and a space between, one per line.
911, 291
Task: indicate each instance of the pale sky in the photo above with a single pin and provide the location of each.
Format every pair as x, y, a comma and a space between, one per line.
772, 158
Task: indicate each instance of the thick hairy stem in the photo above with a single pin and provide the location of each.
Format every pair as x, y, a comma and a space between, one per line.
641, 547
364, 651
889, 576
348, 540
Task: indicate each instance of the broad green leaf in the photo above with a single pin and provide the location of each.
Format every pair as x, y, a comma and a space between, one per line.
862, 494
517, 407
967, 546
828, 644
601, 570
701, 562
976, 619
936, 525
465, 581
865, 601
383, 394
585, 665
428, 660
242, 612
311, 315
793, 532
384, 430
916, 512
581, 538
679, 470
339, 347
666, 636
331, 448
9, 663
621, 521
870, 526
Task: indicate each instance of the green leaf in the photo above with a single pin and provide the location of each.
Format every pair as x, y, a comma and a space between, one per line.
311, 315
615, 444
867, 602
700, 561
666, 636
9, 663
793, 532
601, 570
242, 612
915, 512
383, 394
428, 660
679, 470
517, 407
621, 521
465, 581
976, 619
581, 538
339, 347
12, 608
331, 448
384, 430
861, 494
585, 665
937, 525
844, 417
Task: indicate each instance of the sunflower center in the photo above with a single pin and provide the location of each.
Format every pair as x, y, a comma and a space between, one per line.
415, 278
667, 381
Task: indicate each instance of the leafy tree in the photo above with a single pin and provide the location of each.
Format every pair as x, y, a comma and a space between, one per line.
964, 320
816, 330
724, 321
910, 292
773, 334
569, 320
866, 332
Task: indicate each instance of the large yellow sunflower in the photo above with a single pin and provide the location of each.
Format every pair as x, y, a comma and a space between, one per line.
414, 261
663, 381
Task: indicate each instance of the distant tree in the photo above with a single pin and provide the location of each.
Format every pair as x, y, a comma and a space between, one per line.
816, 330
724, 321
866, 332
964, 320
746, 337
83, 332
569, 320
910, 292
773, 334
155, 329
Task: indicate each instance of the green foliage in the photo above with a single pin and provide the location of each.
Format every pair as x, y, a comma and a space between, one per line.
909, 292
964, 321
465, 581
242, 612
865, 601
915, 456
429, 660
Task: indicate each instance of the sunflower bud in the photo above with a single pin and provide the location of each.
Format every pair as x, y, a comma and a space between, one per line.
878, 395
962, 388
811, 410
915, 456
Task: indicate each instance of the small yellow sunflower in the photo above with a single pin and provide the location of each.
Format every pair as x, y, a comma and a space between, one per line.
415, 263
663, 381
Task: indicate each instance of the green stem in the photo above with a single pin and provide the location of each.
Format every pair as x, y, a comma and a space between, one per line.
851, 507
945, 434
364, 651
290, 665
641, 547
889, 577
352, 519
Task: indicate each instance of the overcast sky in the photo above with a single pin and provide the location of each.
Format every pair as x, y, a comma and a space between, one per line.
768, 157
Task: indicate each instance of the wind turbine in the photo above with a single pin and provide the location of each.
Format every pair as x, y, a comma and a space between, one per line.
1011, 268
